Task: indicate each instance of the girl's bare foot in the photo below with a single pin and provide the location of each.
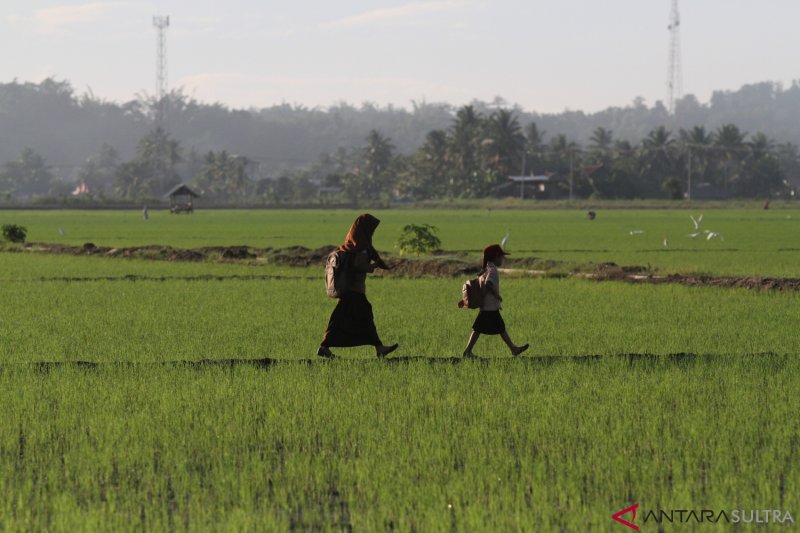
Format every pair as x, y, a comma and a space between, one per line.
519, 349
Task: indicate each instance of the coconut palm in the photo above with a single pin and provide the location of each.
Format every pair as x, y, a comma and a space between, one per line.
730, 148
599, 159
696, 147
28, 174
564, 158
601, 142
658, 159
224, 175
762, 174
504, 144
464, 149
534, 148
436, 165
377, 156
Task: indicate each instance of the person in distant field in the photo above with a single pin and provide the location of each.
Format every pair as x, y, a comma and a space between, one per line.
145, 213
352, 322
489, 321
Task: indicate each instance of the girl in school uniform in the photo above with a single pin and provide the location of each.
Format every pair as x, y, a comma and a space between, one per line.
489, 321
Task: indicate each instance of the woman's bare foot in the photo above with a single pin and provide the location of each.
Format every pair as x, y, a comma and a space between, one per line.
324, 351
383, 351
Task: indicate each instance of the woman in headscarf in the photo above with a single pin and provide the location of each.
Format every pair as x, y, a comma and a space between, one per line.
489, 321
352, 322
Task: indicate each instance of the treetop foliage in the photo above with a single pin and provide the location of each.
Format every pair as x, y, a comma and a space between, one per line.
739, 143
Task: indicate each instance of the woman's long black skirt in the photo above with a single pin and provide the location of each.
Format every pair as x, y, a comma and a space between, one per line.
489, 323
352, 323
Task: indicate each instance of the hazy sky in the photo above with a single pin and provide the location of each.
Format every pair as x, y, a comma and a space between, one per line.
546, 56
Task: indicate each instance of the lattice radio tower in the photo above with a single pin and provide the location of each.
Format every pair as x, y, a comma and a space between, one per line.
674, 76
161, 24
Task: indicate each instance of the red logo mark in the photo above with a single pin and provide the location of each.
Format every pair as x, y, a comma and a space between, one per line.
618, 516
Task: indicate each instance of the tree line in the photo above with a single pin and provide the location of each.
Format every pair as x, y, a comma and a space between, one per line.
477, 154
465, 152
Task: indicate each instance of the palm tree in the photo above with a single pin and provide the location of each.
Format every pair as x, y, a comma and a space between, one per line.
132, 180
378, 155
625, 170
464, 148
762, 173
29, 173
600, 157
789, 158
534, 148
601, 142
504, 143
158, 154
696, 144
224, 175
730, 146
436, 165
563, 158
658, 159
761, 146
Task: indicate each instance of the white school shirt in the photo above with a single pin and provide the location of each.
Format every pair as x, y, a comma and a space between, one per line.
490, 301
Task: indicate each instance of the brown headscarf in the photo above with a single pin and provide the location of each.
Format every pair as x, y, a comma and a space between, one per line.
360, 238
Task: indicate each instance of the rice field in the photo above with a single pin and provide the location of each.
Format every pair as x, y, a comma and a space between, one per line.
668, 396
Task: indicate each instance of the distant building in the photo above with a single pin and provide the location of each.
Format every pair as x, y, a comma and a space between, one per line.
180, 199
539, 187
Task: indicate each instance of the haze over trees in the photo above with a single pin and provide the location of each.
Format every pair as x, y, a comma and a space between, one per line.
52, 140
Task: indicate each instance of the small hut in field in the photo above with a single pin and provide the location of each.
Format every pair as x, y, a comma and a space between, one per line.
180, 199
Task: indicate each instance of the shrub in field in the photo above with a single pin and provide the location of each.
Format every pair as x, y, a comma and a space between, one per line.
14, 233
673, 187
418, 239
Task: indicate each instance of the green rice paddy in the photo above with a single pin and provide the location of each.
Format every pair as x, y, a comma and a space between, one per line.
668, 396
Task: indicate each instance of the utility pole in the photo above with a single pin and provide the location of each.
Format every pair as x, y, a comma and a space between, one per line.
674, 76
689, 173
571, 171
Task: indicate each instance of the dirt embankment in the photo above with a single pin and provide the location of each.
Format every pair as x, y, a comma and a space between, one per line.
294, 256
638, 274
441, 265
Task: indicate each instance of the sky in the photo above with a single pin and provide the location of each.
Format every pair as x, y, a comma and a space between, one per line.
545, 56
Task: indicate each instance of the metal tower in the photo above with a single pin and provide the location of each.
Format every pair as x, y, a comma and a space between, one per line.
161, 24
674, 76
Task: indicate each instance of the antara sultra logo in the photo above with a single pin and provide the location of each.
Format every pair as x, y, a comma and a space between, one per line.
627, 516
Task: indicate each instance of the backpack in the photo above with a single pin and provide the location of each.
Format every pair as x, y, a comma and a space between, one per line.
337, 269
471, 294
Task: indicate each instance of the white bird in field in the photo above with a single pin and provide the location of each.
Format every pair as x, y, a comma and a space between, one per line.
635, 232
666, 242
696, 222
712, 234
61, 231
504, 242
694, 235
